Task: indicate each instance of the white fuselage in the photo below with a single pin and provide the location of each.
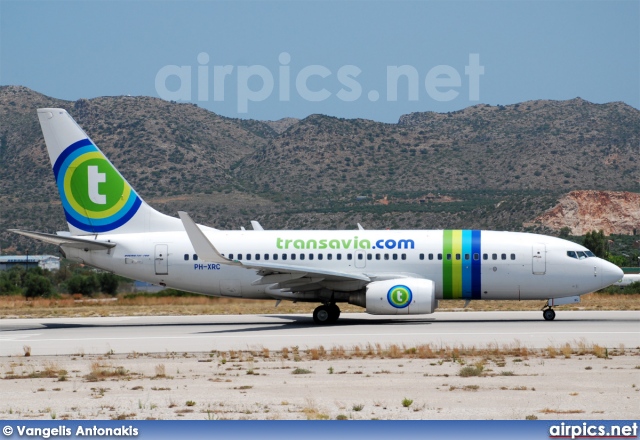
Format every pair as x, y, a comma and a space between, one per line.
508, 265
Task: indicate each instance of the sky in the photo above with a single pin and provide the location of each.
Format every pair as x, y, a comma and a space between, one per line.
352, 59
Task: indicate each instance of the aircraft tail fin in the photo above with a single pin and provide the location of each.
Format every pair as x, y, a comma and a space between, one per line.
95, 197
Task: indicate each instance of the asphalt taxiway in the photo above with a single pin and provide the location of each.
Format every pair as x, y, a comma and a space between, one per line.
67, 336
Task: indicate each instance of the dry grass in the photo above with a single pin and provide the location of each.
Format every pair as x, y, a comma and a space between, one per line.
160, 370
67, 306
472, 359
311, 411
101, 371
559, 411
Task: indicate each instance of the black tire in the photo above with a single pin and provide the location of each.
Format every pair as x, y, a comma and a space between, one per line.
549, 315
334, 312
322, 315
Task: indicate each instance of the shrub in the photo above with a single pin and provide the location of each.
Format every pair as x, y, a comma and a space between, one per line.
470, 370
37, 285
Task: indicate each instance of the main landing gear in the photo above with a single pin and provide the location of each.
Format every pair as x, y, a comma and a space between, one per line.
326, 314
548, 314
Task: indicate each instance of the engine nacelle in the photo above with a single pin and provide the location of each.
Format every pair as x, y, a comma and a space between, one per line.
401, 296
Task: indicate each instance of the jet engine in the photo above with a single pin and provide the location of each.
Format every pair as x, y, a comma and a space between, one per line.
400, 296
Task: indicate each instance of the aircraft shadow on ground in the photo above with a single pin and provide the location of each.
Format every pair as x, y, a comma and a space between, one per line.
297, 322
284, 322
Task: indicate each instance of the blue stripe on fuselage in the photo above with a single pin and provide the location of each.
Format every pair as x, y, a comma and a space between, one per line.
476, 273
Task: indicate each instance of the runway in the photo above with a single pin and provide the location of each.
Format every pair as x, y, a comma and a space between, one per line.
150, 334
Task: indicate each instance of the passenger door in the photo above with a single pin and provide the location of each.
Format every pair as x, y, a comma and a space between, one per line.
162, 259
539, 259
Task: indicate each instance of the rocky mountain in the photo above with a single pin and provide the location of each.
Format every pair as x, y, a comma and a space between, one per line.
485, 166
538, 145
586, 211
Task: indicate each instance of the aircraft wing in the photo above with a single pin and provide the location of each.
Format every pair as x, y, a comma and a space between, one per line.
68, 241
284, 275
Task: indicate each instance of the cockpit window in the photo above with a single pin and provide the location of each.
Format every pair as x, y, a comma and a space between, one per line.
580, 255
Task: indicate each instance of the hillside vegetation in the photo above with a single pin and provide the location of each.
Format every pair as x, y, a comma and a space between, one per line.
482, 167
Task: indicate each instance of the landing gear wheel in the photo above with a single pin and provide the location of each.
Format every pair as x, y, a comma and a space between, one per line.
334, 312
322, 315
548, 314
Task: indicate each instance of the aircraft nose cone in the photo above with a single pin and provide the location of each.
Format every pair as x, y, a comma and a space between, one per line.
610, 273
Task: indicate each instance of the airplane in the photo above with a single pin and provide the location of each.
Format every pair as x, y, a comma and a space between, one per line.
627, 280
386, 272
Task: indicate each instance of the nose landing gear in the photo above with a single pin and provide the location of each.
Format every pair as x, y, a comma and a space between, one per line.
326, 314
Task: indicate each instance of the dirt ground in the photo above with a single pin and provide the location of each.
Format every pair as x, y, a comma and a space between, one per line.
358, 383
67, 306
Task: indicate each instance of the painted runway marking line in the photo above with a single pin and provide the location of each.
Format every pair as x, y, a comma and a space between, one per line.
16, 337
222, 336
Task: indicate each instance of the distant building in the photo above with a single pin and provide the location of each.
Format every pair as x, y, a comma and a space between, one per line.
48, 262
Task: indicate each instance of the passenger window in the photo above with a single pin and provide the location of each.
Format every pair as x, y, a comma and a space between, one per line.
266, 256
195, 257
293, 256
467, 257
349, 257
302, 256
231, 256
404, 256
485, 256
513, 256
369, 256
494, 256
448, 257
186, 257
310, 256
386, 256
377, 256
359, 256
257, 257
319, 256
248, 257
504, 256
338, 256
476, 257
422, 256
439, 256
458, 257
239, 257
395, 256
284, 256
329, 256
275, 256
430, 256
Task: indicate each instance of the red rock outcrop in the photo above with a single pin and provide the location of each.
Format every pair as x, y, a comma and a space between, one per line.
585, 211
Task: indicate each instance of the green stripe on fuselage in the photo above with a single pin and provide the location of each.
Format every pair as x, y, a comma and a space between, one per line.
452, 264
456, 260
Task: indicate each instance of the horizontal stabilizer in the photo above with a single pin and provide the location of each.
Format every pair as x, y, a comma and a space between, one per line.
61, 240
